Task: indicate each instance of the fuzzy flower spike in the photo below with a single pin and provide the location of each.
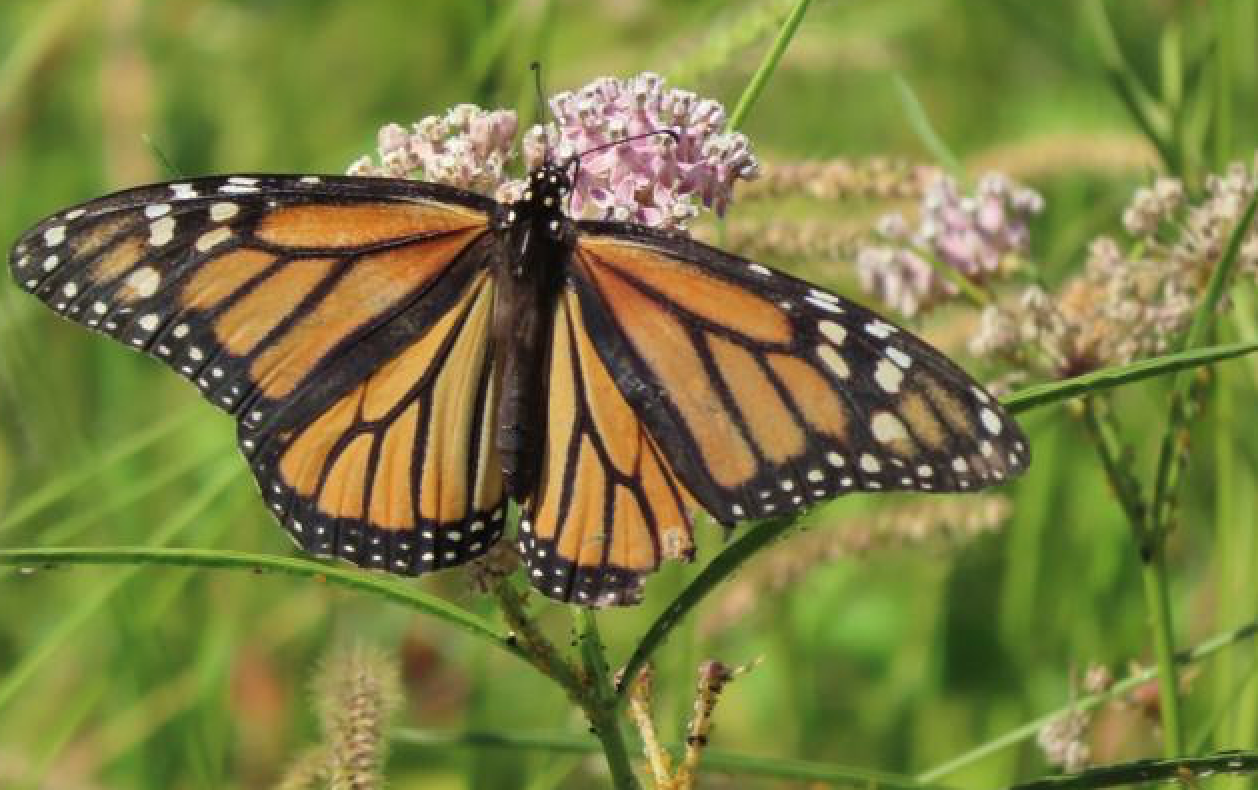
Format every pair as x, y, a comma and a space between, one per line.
683, 159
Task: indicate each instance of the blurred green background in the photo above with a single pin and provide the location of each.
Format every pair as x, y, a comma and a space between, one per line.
893, 659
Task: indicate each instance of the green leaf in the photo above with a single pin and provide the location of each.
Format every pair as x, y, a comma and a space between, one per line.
1183, 770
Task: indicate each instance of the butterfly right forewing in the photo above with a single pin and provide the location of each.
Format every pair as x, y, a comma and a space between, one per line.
769, 394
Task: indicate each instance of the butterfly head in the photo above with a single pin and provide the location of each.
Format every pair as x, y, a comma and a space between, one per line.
548, 188
544, 199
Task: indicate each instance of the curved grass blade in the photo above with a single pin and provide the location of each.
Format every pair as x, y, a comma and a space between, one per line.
1090, 383
374, 584
920, 121
768, 65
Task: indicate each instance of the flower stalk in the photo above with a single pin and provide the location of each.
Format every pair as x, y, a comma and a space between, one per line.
599, 702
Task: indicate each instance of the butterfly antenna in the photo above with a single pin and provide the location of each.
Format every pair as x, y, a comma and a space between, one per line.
541, 109
672, 133
575, 160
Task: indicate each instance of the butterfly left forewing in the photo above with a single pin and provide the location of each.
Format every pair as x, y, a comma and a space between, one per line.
342, 320
767, 393
204, 274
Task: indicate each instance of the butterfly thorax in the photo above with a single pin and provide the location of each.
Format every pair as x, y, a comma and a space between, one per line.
538, 239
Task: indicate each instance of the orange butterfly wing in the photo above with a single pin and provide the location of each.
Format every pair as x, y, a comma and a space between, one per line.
608, 507
343, 321
761, 394
683, 377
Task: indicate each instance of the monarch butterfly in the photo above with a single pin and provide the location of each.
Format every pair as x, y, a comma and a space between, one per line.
403, 357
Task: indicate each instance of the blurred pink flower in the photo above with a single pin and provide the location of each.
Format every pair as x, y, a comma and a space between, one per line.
971, 234
1133, 300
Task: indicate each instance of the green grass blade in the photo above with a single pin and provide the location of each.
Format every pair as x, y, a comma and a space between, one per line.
921, 125
1056, 391
768, 65
21, 66
375, 584
25, 669
1135, 95
67, 482
1177, 769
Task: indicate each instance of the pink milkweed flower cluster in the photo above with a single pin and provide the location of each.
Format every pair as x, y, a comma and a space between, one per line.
973, 235
467, 147
1132, 300
662, 180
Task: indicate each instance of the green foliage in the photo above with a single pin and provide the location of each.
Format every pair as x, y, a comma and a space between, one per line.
916, 666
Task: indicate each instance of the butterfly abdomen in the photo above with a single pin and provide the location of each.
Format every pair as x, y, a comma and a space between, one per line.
528, 279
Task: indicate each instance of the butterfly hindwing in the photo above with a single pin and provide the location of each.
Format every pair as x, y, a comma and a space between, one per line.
400, 472
311, 308
608, 506
767, 393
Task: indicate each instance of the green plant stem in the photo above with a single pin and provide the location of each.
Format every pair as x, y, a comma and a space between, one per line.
768, 65
588, 687
600, 702
707, 580
1103, 433
1028, 730
1154, 534
1158, 601
975, 293
1152, 567
1225, 46
1203, 321
533, 645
